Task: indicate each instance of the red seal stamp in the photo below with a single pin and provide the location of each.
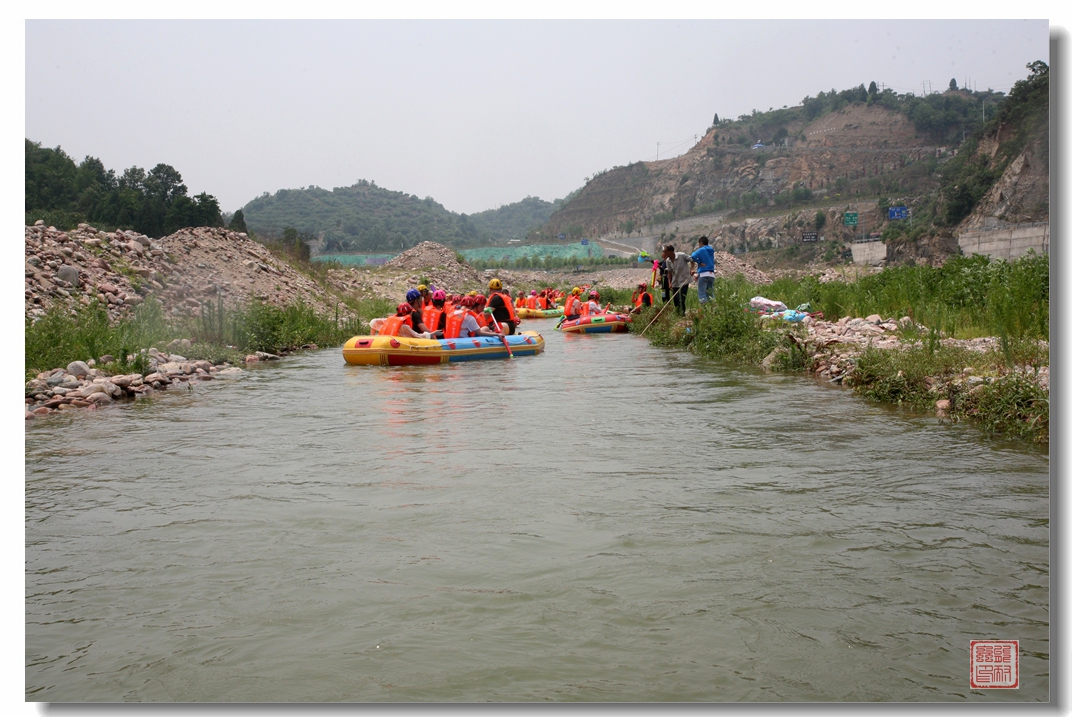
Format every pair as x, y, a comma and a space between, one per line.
995, 664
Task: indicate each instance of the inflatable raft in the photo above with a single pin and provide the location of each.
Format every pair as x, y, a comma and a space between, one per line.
403, 351
539, 313
598, 324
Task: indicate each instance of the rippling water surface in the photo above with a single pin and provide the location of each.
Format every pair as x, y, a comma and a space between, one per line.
603, 522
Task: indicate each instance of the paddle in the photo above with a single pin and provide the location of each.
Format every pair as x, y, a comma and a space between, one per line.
491, 317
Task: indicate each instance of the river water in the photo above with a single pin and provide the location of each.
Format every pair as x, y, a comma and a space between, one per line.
606, 521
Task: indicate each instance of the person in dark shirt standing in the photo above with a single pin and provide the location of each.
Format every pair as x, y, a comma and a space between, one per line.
680, 276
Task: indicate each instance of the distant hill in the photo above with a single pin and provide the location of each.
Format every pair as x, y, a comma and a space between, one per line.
366, 218
837, 147
515, 221
360, 218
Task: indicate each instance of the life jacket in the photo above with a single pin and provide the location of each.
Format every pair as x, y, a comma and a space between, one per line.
431, 317
454, 323
507, 303
392, 324
541, 302
481, 318
584, 308
570, 301
638, 301
520, 303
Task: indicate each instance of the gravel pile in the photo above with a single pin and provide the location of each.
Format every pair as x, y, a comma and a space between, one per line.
183, 270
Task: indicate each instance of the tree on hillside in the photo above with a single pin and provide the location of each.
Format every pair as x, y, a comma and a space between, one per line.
238, 222
872, 89
953, 83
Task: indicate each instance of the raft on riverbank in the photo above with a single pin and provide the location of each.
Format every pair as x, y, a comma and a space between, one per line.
598, 324
404, 351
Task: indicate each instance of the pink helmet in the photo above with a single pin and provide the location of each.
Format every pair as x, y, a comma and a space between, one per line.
439, 295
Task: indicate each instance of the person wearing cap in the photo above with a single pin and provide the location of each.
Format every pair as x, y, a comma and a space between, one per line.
401, 324
704, 258
502, 308
415, 300
572, 309
426, 297
591, 306
463, 322
435, 317
642, 298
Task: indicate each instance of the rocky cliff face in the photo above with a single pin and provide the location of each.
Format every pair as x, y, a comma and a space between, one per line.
838, 156
1021, 194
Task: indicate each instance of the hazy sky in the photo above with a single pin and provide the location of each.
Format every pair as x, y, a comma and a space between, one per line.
472, 113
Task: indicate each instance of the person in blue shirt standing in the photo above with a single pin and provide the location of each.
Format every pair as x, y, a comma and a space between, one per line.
704, 258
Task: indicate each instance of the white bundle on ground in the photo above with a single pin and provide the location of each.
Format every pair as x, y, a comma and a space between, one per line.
762, 304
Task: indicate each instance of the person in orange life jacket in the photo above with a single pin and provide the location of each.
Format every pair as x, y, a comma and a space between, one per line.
435, 318
551, 304
463, 322
572, 309
592, 305
426, 297
530, 302
501, 307
401, 324
642, 299
413, 297
479, 302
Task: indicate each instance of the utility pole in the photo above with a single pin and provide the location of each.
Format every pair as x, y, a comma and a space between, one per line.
657, 151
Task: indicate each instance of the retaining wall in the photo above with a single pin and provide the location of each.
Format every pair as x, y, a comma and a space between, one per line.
1006, 242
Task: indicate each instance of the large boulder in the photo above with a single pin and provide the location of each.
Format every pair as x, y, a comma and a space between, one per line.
78, 369
69, 274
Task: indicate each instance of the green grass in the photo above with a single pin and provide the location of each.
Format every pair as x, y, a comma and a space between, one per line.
220, 333
1007, 402
967, 296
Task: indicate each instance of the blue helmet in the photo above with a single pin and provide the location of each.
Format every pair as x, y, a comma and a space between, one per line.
413, 295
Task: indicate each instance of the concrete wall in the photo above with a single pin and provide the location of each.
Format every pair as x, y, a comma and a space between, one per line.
868, 252
1006, 242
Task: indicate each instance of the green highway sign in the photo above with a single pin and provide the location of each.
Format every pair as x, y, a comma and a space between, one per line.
852, 219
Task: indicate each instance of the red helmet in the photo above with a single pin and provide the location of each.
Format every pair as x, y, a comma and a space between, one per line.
643, 285
467, 301
404, 309
593, 294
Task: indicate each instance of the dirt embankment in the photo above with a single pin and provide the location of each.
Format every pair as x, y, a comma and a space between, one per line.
183, 270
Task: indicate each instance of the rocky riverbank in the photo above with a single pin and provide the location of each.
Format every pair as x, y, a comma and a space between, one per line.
833, 349
81, 385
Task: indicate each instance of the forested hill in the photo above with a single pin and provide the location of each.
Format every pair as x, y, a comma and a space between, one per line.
368, 218
63, 194
514, 221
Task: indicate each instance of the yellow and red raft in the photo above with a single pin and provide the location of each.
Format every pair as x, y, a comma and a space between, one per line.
404, 351
598, 324
526, 313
